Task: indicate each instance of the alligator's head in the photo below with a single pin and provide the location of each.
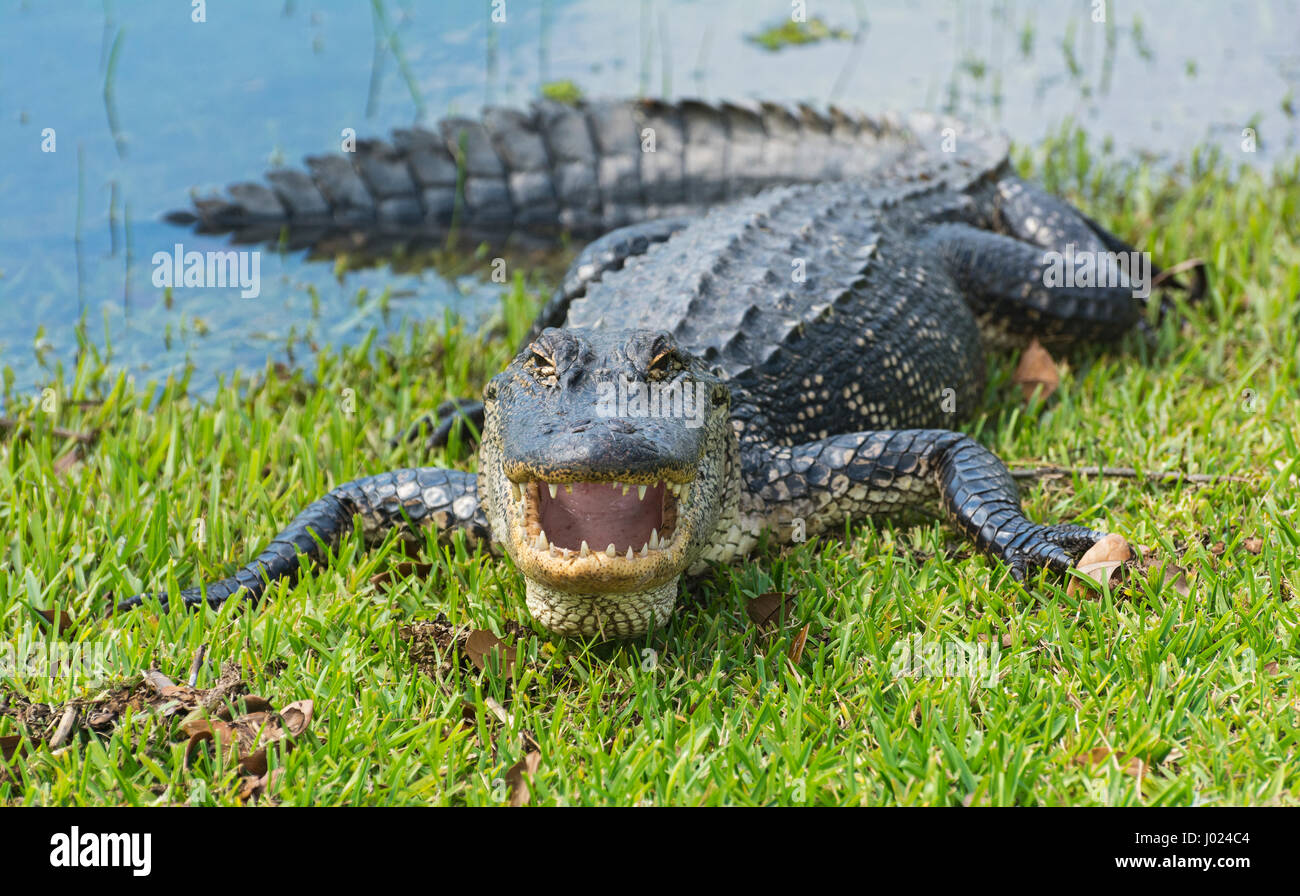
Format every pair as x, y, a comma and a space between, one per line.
603, 469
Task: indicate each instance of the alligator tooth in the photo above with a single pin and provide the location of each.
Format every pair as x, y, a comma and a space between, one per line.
645, 549
542, 544
654, 539
611, 551
584, 550
640, 492
629, 552
515, 491
626, 489
551, 488
566, 552
568, 488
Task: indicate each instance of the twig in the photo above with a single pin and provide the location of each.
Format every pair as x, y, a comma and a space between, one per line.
1124, 473
197, 665
65, 727
85, 438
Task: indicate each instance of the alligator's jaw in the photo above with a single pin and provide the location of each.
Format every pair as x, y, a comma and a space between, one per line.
600, 615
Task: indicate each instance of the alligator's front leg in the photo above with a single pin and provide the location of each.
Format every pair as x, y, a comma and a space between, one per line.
402, 499
856, 475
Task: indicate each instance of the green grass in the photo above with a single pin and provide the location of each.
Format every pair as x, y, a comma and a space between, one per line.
793, 34
1199, 687
565, 91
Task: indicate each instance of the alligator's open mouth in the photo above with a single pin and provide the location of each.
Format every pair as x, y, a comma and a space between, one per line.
616, 527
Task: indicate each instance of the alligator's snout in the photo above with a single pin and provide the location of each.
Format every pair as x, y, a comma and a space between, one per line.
560, 447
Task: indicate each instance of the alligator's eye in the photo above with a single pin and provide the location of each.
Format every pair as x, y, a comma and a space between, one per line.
541, 363
664, 363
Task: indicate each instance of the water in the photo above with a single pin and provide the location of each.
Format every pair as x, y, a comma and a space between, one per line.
261, 83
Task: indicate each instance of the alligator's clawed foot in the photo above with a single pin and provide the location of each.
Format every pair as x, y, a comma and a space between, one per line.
1056, 547
436, 428
190, 597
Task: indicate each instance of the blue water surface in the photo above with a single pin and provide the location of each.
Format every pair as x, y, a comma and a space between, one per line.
144, 103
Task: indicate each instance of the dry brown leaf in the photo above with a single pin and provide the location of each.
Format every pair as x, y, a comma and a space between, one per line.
1102, 563
1253, 545
770, 607
1179, 581
159, 681
101, 720
1272, 668
515, 780
1005, 640
796, 646
64, 622
468, 713
255, 763
10, 745
251, 734
481, 644
1131, 765
260, 785
65, 462
297, 716
256, 704
1036, 371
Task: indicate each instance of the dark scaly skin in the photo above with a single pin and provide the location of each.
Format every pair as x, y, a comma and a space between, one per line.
402, 499
830, 396
577, 169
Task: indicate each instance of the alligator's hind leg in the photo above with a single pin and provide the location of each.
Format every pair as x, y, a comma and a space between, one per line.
403, 499
856, 475
1017, 289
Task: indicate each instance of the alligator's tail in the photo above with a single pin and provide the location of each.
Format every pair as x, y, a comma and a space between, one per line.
583, 169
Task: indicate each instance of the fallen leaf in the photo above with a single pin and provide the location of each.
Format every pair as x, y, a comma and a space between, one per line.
1130, 765
1179, 581
64, 624
1253, 545
1102, 563
1036, 372
251, 734
515, 780
1272, 668
10, 746
101, 720
796, 646
482, 643
159, 681
260, 785
495, 707
1005, 641
65, 462
297, 716
256, 704
770, 607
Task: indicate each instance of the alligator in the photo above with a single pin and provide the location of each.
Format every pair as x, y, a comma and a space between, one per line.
782, 317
